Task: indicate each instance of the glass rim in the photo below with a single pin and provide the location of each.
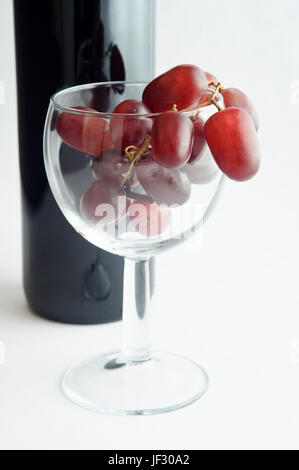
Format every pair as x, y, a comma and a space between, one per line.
99, 114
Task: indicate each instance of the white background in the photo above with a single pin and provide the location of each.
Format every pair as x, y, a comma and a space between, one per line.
233, 306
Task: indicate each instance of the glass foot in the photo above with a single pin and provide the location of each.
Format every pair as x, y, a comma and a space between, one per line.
111, 385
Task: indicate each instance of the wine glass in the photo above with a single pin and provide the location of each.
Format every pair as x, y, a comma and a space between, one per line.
119, 198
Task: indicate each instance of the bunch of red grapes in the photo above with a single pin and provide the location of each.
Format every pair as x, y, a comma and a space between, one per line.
154, 145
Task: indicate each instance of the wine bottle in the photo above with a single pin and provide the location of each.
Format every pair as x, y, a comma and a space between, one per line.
61, 43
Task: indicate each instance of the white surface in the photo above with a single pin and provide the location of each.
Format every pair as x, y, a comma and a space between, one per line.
233, 306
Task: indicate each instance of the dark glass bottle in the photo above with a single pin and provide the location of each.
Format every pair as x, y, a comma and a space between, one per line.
61, 43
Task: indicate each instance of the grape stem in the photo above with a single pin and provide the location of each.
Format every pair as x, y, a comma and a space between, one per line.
219, 88
134, 158
215, 84
212, 100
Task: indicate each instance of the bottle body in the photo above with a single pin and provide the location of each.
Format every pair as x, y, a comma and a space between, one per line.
61, 43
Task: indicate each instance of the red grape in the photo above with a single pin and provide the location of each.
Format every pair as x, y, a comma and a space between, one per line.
234, 98
206, 96
199, 142
163, 185
233, 141
211, 77
203, 171
183, 85
103, 203
172, 139
110, 165
149, 219
88, 134
127, 130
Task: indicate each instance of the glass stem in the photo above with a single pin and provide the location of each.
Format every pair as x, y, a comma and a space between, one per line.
136, 345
